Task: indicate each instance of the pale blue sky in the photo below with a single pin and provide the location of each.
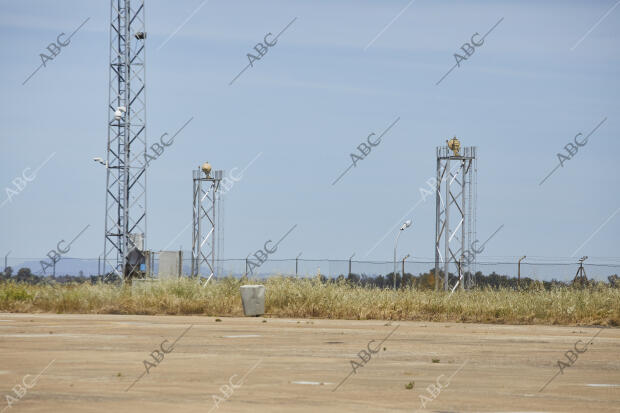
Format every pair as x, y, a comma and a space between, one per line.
305, 107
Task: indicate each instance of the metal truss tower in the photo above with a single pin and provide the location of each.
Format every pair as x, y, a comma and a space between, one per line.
205, 223
125, 213
455, 223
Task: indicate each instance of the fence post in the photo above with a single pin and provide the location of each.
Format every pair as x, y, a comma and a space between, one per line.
297, 261
350, 258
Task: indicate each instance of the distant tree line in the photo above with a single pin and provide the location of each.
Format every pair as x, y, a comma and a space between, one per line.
27, 276
425, 281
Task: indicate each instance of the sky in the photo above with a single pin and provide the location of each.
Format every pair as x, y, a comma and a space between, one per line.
342, 70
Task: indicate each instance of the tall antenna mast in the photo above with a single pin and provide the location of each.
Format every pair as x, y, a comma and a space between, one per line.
125, 211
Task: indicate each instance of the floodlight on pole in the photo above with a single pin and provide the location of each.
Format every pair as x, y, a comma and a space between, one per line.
403, 227
519, 272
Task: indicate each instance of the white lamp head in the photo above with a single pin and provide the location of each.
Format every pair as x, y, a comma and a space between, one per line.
119, 112
407, 224
101, 161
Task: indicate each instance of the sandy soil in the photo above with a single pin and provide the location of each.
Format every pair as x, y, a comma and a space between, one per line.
90, 363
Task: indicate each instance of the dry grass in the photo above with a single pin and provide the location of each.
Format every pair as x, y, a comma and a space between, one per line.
287, 297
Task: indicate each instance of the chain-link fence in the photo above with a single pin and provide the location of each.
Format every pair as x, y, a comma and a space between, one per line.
543, 271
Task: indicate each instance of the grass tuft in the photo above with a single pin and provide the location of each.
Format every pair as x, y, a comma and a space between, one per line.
307, 298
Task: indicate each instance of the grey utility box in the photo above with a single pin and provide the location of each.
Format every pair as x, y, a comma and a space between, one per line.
170, 264
253, 298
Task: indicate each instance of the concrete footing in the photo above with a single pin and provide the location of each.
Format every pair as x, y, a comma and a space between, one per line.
253, 298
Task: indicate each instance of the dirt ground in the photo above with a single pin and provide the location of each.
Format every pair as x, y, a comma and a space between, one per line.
90, 363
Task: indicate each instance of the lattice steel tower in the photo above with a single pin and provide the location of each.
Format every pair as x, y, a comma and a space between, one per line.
455, 223
125, 212
205, 222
